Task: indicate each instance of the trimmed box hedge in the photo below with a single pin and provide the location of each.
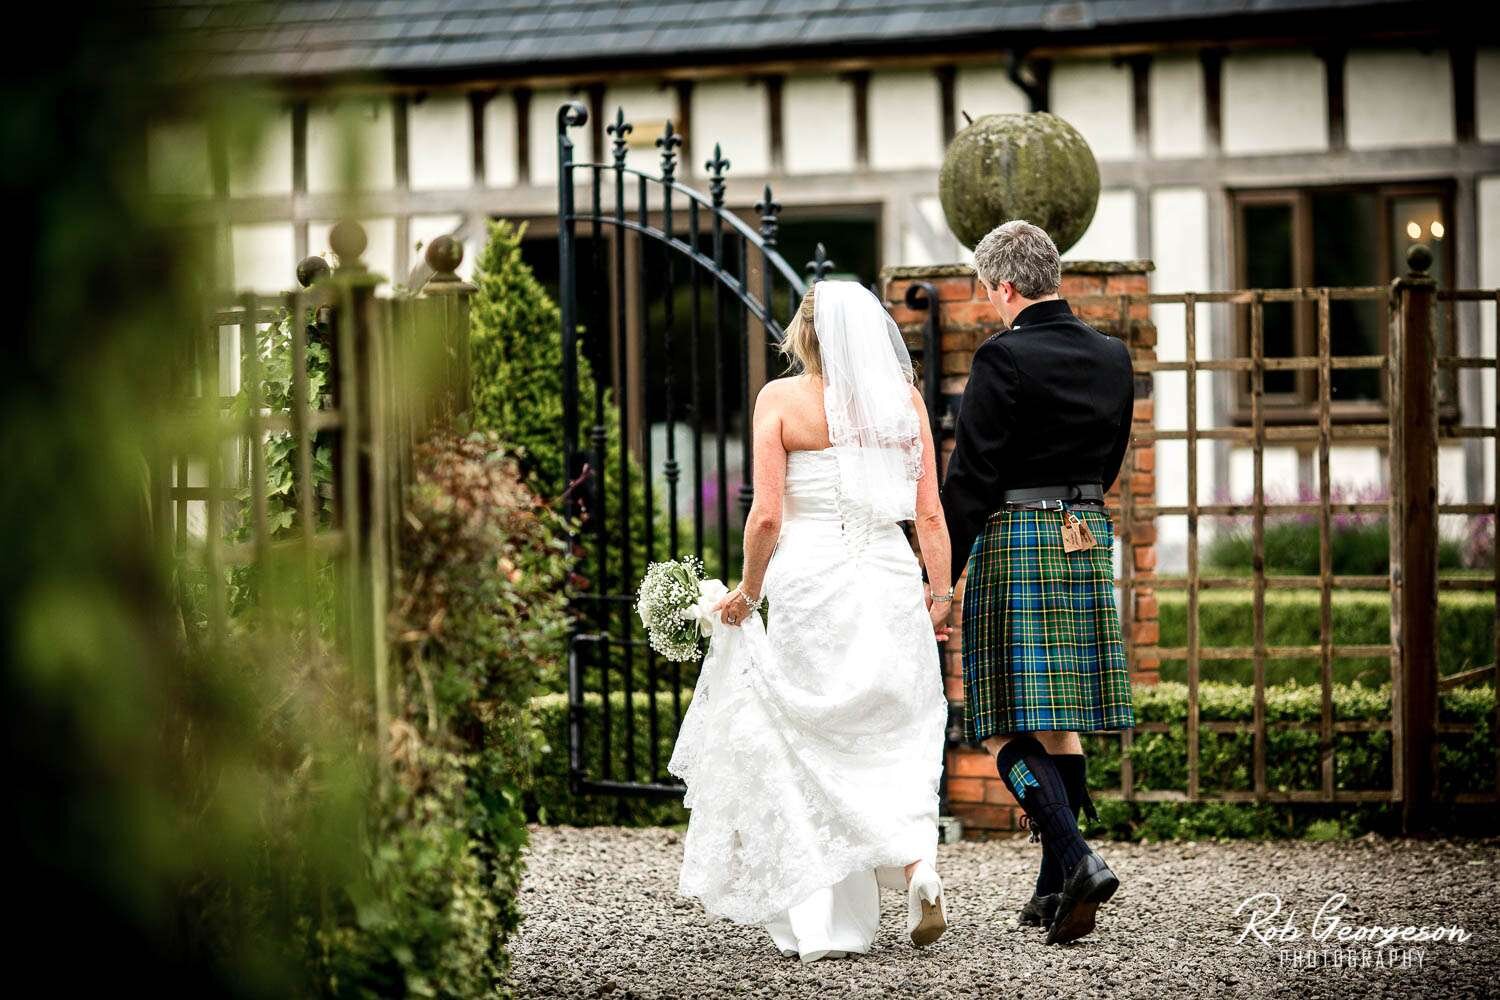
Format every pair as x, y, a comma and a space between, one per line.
1361, 761
1466, 633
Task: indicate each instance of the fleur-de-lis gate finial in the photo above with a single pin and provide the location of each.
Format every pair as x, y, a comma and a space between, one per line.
770, 212
820, 265
716, 169
669, 142
619, 128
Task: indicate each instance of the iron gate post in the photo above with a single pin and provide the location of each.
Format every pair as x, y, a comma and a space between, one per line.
923, 297
570, 115
1414, 433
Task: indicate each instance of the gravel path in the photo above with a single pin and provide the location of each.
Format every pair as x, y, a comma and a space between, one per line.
603, 919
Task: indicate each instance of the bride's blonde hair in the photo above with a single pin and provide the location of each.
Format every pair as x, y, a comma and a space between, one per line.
799, 342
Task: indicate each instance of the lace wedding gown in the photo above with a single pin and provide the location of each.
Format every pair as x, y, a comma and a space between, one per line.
813, 745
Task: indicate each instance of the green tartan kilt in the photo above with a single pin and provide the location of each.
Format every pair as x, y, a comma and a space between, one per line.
1042, 643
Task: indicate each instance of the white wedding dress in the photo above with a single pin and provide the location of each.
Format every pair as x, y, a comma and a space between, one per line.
813, 745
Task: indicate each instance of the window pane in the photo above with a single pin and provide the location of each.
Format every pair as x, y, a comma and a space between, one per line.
1346, 253
1268, 264
851, 242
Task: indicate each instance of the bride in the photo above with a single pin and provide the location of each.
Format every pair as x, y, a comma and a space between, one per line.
813, 745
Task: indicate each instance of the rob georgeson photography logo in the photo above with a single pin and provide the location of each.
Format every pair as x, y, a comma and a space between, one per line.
1332, 940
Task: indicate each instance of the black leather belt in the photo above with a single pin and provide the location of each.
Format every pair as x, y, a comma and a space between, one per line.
1042, 497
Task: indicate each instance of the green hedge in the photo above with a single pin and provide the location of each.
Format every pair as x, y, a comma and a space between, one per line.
1361, 761
1466, 631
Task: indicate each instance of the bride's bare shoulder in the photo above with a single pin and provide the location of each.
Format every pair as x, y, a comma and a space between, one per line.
781, 392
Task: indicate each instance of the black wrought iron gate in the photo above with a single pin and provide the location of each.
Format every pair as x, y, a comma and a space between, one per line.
683, 298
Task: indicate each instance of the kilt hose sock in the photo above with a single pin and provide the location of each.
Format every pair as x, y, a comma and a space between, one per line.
1034, 778
1074, 770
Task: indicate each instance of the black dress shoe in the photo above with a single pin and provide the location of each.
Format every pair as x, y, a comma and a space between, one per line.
1039, 910
1089, 884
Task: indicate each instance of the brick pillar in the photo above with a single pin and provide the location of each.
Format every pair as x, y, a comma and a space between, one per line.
979, 798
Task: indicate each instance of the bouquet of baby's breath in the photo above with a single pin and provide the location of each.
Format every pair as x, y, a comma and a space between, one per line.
676, 606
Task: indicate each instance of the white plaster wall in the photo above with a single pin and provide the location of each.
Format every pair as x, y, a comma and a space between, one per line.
1095, 98
177, 159
426, 228
1178, 113
263, 257
734, 113
1487, 94
915, 251
1280, 474
1355, 468
924, 235
1274, 102
500, 140
906, 120
818, 119
440, 143
380, 253
351, 145
260, 157
541, 124
986, 90
1111, 234
1450, 482
1398, 98
1179, 239
927, 239
647, 106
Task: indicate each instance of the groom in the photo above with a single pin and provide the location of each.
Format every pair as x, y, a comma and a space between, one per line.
1042, 430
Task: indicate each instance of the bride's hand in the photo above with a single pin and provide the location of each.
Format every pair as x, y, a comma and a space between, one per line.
938, 611
732, 608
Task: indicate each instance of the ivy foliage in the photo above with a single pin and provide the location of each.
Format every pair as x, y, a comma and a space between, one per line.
277, 395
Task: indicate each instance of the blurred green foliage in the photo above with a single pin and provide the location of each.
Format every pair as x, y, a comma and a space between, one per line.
1466, 630
1292, 548
208, 814
179, 808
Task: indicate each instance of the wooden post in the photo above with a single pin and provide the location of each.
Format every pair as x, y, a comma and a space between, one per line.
444, 255
1414, 567
360, 345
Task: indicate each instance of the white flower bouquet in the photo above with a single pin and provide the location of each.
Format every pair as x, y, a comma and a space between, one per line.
676, 606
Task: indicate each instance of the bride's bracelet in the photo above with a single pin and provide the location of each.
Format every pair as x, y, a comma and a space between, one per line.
750, 606
941, 598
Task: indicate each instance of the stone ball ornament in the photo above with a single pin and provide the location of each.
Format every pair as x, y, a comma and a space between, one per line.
1032, 166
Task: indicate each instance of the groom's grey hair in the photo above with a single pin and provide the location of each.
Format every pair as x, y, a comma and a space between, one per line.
1021, 254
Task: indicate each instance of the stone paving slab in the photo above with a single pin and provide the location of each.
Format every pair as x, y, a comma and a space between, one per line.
603, 919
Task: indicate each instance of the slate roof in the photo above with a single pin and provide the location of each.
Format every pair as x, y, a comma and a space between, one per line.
316, 38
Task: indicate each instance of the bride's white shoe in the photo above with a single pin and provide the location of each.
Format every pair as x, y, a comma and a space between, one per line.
926, 918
